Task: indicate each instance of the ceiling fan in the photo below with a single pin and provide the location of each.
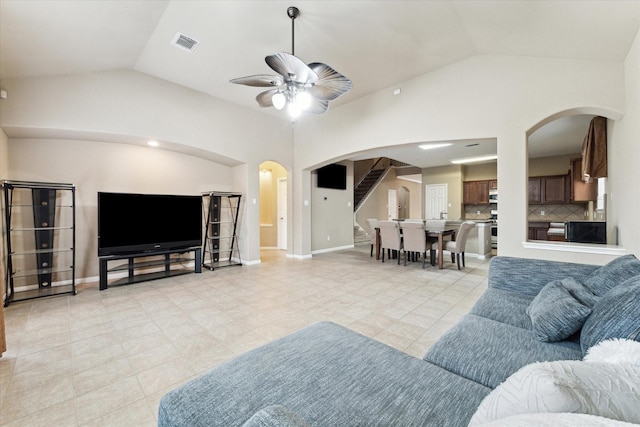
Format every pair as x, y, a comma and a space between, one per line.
298, 86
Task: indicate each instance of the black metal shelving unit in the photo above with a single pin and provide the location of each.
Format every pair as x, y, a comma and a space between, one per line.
221, 245
40, 235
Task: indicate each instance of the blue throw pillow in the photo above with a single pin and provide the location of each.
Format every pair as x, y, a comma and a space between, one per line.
560, 309
615, 315
612, 274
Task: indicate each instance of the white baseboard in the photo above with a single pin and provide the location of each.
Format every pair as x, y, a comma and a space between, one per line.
338, 248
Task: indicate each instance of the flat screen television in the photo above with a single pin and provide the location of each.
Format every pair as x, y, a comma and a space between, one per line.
333, 176
136, 223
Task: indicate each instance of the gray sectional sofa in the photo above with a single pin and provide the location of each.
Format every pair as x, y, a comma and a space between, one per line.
328, 375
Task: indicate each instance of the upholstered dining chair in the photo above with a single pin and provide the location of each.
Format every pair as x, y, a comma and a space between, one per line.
372, 224
414, 239
457, 246
390, 238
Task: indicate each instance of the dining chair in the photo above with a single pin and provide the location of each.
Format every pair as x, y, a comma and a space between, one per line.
435, 224
390, 238
457, 246
372, 224
414, 239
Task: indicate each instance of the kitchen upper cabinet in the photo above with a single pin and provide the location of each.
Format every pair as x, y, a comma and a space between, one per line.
475, 192
581, 191
548, 190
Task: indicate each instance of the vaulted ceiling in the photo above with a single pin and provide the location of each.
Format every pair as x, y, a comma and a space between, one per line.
377, 44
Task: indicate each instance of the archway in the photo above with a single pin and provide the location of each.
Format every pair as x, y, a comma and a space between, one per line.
273, 206
557, 196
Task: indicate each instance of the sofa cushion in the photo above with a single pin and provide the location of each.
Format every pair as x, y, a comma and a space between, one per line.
529, 276
276, 416
328, 375
612, 274
560, 309
603, 389
487, 351
504, 306
615, 315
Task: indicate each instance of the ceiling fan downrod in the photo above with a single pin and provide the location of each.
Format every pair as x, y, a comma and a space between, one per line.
293, 12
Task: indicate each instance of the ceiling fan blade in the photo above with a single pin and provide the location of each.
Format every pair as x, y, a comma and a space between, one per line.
291, 68
259, 80
330, 84
318, 106
265, 98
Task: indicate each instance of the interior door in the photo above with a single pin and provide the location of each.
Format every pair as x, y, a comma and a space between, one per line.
282, 213
392, 204
435, 201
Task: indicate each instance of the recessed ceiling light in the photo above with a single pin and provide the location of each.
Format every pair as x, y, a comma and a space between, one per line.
436, 145
153, 143
474, 159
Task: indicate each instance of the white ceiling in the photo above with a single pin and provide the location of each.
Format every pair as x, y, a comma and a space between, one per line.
377, 44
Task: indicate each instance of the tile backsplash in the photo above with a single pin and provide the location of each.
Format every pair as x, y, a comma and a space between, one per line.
558, 213
478, 212
553, 213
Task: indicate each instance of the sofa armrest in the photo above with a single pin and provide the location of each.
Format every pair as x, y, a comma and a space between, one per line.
528, 276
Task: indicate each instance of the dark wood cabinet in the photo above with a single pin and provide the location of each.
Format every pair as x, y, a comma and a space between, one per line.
493, 185
538, 230
581, 191
535, 190
475, 192
548, 190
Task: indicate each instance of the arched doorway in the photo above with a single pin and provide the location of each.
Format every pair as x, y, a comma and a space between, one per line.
273, 206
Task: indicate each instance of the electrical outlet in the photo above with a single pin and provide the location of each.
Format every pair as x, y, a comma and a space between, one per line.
328, 238
542, 213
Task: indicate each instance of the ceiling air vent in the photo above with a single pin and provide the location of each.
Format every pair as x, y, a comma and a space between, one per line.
184, 42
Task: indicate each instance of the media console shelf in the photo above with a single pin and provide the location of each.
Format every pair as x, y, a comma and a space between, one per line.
157, 264
221, 243
39, 231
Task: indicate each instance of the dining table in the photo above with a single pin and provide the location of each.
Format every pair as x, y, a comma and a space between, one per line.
429, 234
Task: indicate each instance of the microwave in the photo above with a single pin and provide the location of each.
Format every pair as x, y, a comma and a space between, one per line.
586, 232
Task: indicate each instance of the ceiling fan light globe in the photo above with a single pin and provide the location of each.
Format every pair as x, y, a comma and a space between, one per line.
279, 100
294, 110
303, 99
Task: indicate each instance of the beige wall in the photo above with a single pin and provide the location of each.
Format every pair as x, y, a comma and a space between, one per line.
4, 174
332, 214
97, 166
270, 173
376, 205
482, 172
623, 200
485, 96
125, 106
557, 165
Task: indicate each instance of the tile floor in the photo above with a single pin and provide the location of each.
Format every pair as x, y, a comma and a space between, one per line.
106, 358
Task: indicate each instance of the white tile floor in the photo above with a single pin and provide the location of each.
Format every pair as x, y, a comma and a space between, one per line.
106, 358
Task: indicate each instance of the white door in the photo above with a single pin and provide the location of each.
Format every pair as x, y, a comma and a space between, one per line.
282, 213
435, 201
392, 204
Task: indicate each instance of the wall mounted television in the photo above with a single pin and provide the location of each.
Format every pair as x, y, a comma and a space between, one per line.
138, 223
333, 176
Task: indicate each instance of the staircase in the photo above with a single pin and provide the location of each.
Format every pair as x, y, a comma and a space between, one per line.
359, 235
367, 183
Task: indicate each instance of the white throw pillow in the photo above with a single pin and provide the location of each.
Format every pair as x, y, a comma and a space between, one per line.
595, 388
615, 351
557, 420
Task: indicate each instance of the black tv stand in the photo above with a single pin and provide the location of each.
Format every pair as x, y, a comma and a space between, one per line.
153, 262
